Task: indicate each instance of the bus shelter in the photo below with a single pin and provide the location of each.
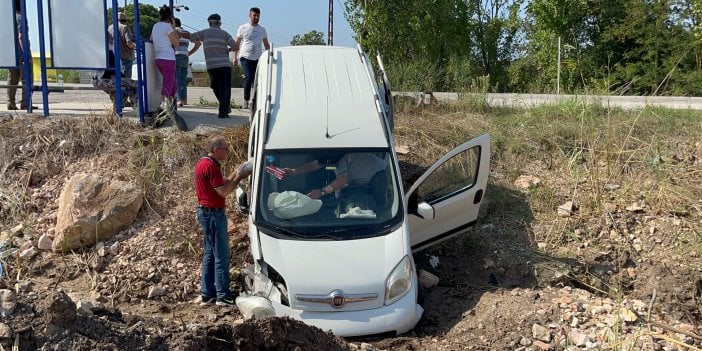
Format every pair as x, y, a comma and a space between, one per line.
77, 40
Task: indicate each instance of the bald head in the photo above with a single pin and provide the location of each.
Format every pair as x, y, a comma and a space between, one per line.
216, 142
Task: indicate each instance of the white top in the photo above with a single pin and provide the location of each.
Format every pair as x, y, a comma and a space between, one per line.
163, 49
360, 167
251, 40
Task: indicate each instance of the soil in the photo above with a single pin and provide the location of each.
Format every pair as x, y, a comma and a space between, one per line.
631, 287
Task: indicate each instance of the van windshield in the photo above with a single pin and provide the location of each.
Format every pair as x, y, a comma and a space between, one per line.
339, 194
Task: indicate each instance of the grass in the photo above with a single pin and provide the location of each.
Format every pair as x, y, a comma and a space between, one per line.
580, 151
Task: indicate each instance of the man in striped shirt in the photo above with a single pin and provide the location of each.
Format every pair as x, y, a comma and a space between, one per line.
217, 44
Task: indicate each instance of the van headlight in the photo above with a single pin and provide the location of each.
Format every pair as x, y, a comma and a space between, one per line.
399, 281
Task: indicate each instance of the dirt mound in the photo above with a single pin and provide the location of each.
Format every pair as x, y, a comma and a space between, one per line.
266, 334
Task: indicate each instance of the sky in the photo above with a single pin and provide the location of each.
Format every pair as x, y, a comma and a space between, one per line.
282, 19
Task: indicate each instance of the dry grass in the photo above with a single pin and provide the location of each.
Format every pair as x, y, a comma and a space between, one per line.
599, 158
34, 151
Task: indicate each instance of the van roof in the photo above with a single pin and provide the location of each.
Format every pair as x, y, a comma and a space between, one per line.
322, 97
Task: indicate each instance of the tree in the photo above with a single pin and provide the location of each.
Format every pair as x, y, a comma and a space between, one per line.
148, 16
312, 38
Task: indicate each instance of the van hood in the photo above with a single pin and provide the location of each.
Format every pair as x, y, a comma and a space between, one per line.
351, 267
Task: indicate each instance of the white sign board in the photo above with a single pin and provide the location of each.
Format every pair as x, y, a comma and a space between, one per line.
7, 35
78, 33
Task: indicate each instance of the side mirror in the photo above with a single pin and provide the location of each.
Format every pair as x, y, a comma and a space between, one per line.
425, 211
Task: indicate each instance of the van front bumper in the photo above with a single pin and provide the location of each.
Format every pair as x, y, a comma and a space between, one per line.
399, 317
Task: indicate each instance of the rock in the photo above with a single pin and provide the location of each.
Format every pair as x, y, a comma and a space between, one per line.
29, 253
611, 187
578, 338
61, 310
542, 345
634, 208
5, 331
114, 248
525, 182
92, 208
44, 242
427, 280
539, 332
84, 308
8, 302
567, 209
525, 341
402, 149
17, 229
628, 315
156, 291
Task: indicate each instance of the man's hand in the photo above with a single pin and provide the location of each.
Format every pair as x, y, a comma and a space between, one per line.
315, 194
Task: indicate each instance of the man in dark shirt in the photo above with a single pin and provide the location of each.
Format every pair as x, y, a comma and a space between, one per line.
17, 74
212, 189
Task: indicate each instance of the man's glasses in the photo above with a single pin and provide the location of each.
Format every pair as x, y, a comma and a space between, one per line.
223, 148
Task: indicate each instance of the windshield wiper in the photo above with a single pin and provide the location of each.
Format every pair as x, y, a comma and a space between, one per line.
285, 231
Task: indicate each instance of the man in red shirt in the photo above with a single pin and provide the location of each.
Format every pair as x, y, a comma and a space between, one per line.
212, 188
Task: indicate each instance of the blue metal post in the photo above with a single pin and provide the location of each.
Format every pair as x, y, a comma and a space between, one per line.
140, 66
27, 57
42, 58
118, 63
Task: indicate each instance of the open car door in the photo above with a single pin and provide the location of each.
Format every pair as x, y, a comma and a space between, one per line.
444, 201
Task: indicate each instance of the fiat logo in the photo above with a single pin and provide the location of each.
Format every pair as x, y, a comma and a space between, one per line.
337, 300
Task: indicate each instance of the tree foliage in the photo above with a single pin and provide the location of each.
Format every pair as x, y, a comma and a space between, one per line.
148, 16
618, 47
311, 38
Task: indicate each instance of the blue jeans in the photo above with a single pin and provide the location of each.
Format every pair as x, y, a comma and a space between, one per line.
215, 261
126, 67
182, 77
249, 68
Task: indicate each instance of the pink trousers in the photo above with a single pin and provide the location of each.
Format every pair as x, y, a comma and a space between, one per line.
167, 69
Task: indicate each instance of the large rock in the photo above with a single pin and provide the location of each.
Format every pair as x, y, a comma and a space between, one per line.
92, 209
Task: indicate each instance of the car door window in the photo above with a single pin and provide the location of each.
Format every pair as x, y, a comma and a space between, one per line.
452, 177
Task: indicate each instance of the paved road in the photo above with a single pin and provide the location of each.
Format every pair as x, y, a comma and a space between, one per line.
82, 102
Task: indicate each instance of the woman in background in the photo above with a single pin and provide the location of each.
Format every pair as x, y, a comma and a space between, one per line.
165, 38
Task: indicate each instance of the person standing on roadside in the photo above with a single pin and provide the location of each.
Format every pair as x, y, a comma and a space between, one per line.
18, 74
249, 37
217, 44
165, 39
126, 44
182, 61
212, 189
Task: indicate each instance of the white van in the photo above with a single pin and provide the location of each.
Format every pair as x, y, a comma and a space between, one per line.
343, 261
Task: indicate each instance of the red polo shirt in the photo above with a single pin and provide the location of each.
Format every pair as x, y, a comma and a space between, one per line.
208, 177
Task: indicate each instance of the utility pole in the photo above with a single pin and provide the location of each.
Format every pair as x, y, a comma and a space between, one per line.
330, 29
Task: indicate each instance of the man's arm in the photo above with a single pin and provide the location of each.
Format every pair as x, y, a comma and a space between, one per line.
129, 38
266, 44
230, 183
236, 50
194, 49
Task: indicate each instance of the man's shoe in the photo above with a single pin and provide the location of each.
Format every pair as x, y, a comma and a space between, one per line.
12, 107
226, 302
205, 301
24, 107
246, 104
